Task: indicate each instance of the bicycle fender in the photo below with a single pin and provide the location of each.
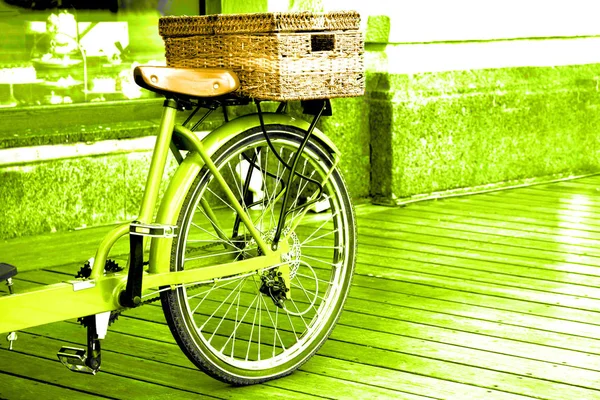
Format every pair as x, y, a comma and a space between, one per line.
227, 131
172, 201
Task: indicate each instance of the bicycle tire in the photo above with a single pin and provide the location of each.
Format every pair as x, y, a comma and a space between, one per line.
248, 338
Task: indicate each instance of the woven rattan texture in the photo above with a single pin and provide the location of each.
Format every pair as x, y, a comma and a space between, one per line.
173, 26
276, 66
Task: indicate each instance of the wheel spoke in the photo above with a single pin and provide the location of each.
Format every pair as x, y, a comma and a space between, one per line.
312, 302
238, 187
226, 312
319, 237
237, 325
252, 329
312, 277
322, 225
221, 305
298, 311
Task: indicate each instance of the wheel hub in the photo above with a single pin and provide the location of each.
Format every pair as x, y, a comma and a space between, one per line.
274, 283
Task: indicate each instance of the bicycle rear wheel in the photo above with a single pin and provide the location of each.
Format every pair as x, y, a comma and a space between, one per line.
240, 329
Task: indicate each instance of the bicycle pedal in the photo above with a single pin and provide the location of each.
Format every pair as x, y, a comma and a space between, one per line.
74, 359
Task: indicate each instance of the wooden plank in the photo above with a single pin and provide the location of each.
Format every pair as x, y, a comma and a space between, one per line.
399, 379
477, 271
541, 212
520, 247
161, 332
360, 314
579, 206
451, 299
17, 387
577, 228
592, 182
468, 250
554, 236
496, 296
162, 360
168, 363
365, 289
481, 306
51, 370
550, 197
452, 316
567, 190
426, 231
397, 281
463, 255
153, 332
426, 347
536, 302
347, 351
500, 354
548, 272
525, 373
356, 303
481, 218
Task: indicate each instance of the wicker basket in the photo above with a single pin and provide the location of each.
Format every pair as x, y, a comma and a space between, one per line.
278, 56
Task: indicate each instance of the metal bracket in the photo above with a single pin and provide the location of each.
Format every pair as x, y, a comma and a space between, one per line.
132, 295
153, 230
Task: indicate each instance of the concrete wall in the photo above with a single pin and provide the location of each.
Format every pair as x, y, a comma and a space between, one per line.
464, 94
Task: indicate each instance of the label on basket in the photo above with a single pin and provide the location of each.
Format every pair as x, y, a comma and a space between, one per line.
322, 42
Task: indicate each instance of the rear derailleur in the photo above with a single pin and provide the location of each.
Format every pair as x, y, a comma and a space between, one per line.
273, 285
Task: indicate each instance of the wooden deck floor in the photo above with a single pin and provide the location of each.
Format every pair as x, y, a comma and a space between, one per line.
493, 296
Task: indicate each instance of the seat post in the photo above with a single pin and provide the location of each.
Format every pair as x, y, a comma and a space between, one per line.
159, 159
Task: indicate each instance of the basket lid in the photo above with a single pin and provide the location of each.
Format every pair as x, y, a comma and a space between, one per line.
258, 23
288, 22
175, 26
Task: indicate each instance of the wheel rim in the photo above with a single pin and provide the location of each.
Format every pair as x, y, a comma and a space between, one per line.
233, 321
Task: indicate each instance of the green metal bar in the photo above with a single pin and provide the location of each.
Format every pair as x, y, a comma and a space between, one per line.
78, 298
59, 302
229, 193
157, 165
168, 212
107, 243
212, 272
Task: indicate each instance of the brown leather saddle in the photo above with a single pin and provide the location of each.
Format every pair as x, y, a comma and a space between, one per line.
189, 82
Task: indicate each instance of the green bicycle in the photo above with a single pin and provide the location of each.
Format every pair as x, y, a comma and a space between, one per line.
251, 251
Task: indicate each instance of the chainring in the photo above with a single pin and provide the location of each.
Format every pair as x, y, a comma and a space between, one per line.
85, 272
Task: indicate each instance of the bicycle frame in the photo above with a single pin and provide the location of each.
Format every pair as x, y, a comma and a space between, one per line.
78, 298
